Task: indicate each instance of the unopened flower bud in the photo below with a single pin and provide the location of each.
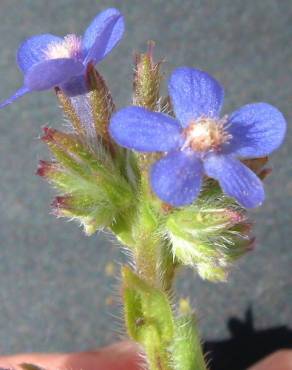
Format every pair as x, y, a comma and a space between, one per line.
147, 80
209, 239
91, 189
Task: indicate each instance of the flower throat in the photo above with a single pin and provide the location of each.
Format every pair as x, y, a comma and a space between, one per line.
70, 47
206, 134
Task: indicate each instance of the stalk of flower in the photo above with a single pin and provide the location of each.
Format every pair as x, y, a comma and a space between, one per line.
173, 188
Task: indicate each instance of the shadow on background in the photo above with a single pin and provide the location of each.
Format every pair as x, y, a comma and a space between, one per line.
246, 345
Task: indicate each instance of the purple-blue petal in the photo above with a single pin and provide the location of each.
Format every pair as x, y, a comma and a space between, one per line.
53, 72
236, 180
177, 178
32, 50
194, 93
102, 35
256, 129
75, 86
145, 131
18, 94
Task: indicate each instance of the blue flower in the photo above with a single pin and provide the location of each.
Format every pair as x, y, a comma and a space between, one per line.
47, 60
198, 142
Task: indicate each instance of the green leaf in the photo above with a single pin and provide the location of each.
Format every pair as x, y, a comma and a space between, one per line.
146, 307
149, 319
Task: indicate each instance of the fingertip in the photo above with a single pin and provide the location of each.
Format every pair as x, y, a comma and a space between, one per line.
119, 356
280, 360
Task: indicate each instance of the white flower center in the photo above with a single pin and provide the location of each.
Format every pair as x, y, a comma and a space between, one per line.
206, 134
69, 47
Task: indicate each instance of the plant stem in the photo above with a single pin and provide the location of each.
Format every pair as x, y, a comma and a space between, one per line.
170, 342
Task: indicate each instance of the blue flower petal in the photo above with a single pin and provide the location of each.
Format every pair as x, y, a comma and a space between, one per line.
177, 178
32, 50
18, 94
194, 93
236, 180
102, 35
75, 86
53, 72
257, 130
140, 129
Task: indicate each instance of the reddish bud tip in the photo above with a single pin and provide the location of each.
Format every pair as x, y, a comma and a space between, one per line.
150, 48
234, 217
60, 202
264, 173
61, 206
44, 168
252, 245
166, 208
48, 134
245, 228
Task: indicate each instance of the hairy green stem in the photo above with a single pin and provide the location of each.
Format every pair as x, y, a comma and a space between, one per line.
180, 349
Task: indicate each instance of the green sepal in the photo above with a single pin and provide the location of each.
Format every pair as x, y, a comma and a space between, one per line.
101, 103
92, 188
70, 113
200, 222
147, 79
70, 151
209, 235
212, 272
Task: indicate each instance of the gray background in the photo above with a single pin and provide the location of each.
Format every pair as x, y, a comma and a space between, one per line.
55, 294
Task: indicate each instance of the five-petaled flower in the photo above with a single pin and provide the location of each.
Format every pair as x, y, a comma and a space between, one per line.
199, 142
47, 60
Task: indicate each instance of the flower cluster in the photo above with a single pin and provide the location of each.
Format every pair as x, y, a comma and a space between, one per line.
198, 142
205, 169
195, 143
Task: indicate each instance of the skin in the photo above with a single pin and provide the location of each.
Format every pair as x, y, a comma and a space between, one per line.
120, 356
